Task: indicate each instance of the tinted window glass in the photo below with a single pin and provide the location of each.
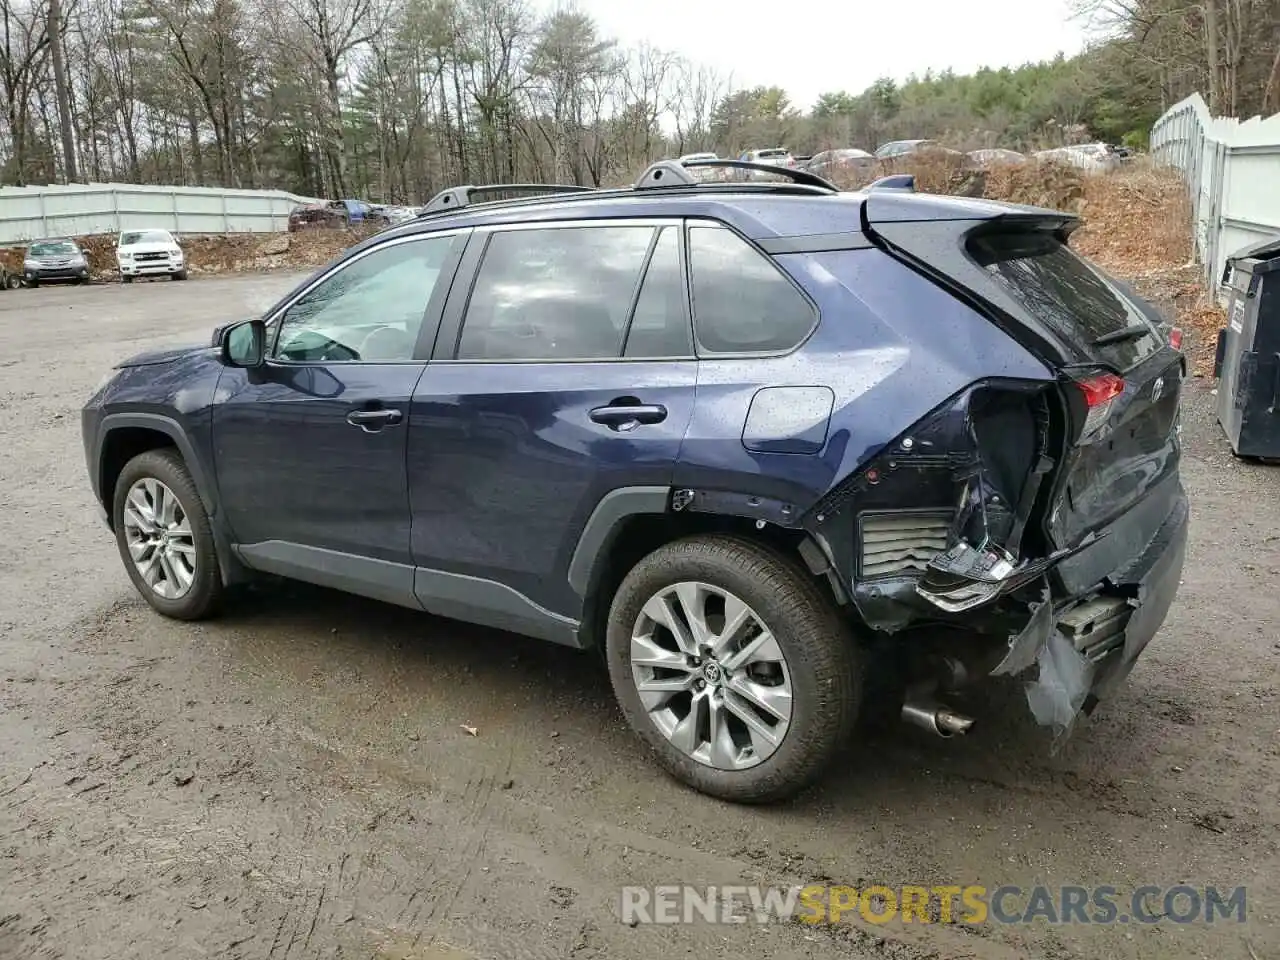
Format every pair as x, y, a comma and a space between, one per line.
660, 326
554, 294
1064, 292
741, 302
372, 309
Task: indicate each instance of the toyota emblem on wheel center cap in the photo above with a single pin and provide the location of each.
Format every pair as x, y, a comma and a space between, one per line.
711, 671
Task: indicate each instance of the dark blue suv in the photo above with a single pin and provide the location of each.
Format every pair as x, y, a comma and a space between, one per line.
756, 441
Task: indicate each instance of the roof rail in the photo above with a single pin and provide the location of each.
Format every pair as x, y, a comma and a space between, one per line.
670, 173
898, 181
455, 198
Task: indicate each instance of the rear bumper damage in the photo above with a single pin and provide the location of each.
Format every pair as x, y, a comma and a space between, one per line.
1085, 648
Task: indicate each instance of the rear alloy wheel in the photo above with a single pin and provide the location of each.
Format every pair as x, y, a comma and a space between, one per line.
734, 666
164, 536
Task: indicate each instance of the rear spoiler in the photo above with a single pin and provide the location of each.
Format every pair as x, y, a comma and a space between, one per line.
931, 233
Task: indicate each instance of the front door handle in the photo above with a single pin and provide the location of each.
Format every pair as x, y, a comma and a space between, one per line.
371, 421
629, 416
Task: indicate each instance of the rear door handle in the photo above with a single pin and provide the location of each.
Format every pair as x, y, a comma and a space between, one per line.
371, 421
628, 417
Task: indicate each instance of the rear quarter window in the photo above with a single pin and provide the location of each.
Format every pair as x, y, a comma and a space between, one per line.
742, 302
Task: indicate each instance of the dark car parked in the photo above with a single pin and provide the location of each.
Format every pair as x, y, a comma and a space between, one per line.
754, 440
54, 260
310, 216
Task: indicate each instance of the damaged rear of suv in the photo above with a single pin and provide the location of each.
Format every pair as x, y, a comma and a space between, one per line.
1025, 526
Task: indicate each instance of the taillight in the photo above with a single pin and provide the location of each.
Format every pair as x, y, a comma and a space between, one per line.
1099, 393
1175, 338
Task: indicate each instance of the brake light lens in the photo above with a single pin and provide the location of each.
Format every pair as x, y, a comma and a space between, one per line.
1100, 393
1175, 338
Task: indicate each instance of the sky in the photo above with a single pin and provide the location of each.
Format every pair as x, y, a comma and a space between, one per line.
809, 47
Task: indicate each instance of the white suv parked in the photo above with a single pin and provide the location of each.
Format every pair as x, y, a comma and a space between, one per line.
149, 253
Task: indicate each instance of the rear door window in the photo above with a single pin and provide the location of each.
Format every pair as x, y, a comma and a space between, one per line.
660, 324
560, 293
1065, 292
742, 302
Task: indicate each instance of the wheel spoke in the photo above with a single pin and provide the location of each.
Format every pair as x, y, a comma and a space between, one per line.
737, 615
686, 736
171, 584
661, 610
184, 548
184, 571
724, 753
774, 701
693, 603
646, 653
764, 739
139, 507
149, 569
762, 649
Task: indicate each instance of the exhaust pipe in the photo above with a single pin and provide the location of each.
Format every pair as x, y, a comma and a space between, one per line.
937, 719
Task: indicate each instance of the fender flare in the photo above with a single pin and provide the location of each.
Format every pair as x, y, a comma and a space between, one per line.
602, 527
232, 570
160, 423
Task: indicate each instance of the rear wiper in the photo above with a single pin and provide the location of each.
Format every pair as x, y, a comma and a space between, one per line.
1134, 331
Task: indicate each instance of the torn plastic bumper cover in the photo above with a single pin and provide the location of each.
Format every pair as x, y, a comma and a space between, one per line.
1080, 660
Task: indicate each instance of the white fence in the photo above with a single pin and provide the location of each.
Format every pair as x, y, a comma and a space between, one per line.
27, 213
1233, 173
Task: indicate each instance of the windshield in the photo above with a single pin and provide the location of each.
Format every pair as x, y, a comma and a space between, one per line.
53, 248
145, 236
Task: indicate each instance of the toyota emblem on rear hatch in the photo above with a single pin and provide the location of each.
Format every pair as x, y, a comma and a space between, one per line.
1157, 389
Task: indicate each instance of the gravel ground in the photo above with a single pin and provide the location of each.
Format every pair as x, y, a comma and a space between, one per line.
293, 780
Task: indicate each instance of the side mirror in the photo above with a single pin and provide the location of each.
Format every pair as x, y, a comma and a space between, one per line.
244, 344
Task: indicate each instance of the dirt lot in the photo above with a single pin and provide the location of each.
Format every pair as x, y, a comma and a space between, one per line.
292, 780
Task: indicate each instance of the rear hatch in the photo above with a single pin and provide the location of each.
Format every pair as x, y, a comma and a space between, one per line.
1119, 377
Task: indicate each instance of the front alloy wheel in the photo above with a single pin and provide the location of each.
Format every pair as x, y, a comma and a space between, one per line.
160, 539
165, 537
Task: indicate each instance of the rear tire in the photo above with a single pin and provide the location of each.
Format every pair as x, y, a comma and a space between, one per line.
185, 581
821, 667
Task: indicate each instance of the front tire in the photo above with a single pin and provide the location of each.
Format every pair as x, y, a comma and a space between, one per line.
164, 536
734, 666
125, 278
180, 275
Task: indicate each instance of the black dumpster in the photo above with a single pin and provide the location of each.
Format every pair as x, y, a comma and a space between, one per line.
1248, 358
